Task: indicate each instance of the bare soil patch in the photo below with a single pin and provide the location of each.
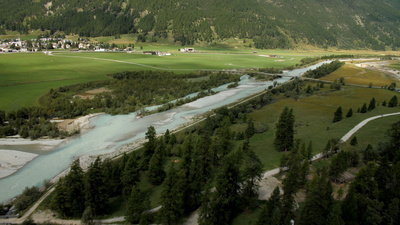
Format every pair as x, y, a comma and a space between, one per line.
91, 93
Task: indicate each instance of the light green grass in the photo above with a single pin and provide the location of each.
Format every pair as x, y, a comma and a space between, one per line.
313, 119
25, 77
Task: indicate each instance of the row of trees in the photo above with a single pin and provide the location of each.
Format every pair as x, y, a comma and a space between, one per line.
324, 69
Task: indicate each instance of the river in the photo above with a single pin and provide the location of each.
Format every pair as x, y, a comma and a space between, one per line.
111, 132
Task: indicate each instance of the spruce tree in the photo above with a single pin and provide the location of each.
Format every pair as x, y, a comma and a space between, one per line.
354, 141
372, 104
156, 173
138, 204
338, 115
364, 108
95, 189
393, 101
130, 174
284, 133
349, 113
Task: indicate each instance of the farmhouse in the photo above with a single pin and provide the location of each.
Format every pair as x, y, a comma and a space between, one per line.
150, 52
187, 49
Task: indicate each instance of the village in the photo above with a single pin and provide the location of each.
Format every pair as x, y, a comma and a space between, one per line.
63, 43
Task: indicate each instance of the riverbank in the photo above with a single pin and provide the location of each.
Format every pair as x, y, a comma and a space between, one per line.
11, 161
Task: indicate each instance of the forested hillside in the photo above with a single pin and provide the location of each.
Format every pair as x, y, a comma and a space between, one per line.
271, 23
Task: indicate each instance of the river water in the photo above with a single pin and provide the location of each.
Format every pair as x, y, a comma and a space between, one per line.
111, 132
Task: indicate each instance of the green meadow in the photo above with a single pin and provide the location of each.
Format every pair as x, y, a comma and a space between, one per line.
25, 77
313, 120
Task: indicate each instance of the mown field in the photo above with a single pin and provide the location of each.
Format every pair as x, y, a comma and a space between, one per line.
362, 76
25, 77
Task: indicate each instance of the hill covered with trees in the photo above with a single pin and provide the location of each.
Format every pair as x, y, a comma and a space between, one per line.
271, 24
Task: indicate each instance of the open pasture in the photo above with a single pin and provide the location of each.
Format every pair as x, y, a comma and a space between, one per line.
362, 76
25, 77
313, 120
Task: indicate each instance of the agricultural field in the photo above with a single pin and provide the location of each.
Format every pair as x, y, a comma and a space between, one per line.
313, 120
25, 77
353, 74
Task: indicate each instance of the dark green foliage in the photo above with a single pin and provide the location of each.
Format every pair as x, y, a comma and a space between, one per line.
338, 115
250, 175
130, 175
372, 104
172, 199
384, 103
324, 70
284, 132
250, 130
349, 113
222, 204
393, 101
354, 141
28, 197
369, 154
156, 173
69, 197
87, 216
271, 210
364, 108
318, 202
335, 216
339, 164
138, 204
95, 189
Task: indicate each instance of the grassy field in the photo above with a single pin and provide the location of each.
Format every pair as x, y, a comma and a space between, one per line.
357, 75
25, 77
313, 116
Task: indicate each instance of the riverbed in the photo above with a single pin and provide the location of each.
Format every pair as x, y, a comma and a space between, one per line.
110, 133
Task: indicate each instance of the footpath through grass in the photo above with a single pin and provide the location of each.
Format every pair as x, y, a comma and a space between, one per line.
313, 120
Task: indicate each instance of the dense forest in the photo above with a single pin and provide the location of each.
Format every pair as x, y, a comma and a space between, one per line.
127, 92
271, 24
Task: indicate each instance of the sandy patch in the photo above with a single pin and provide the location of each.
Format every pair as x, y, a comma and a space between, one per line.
91, 93
267, 186
381, 67
44, 144
11, 161
70, 125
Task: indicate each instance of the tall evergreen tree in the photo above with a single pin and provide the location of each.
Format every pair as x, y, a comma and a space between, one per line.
318, 202
284, 132
393, 101
130, 174
156, 173
364, 108
349, 113
271, 211
372, 104
250, 176
95, 189
338, 115
138, 204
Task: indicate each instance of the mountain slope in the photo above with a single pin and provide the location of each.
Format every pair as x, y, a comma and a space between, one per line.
271, 23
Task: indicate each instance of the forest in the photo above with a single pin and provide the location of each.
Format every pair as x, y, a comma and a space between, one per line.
278, 24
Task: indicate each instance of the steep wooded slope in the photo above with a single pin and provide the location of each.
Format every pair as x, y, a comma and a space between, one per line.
272, 23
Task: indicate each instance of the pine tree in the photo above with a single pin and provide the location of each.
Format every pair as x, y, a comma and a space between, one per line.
156, 173
335, 216
95, 189
393, 101
371, 105
284, 133
349, 113
138, 204
338, 115
250, 176
354, 141
130, 174
364, 108
171, 199
271, 211
318, 202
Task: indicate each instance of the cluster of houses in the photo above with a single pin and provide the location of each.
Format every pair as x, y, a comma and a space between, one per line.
33, 45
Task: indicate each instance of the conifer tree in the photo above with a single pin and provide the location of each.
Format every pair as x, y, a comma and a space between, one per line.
284, 133
371, 105
130, 174
156, 173
95, 189
364, 108
138, 204
393, 101
349, 113
338, 115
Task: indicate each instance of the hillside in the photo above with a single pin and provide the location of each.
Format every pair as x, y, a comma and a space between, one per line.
271, 23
